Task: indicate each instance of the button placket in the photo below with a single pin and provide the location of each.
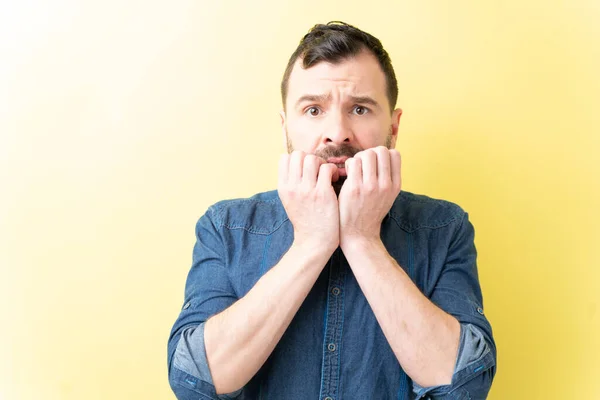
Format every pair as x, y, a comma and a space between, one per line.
333, 328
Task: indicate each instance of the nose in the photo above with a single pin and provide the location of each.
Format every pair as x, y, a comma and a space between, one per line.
338, 130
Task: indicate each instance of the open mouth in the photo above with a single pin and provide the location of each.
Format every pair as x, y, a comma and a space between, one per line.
341, 169
339, 162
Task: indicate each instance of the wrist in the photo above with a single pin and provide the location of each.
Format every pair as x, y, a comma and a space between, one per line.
360, 244
315, 248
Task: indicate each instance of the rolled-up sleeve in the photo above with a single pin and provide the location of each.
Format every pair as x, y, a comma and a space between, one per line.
208, 291
458, 292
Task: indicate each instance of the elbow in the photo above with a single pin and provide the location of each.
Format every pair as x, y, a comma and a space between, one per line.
474, 372
188, 387
225, 381
191, 372
187, 369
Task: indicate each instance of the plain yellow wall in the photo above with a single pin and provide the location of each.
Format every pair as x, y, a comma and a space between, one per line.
121, 122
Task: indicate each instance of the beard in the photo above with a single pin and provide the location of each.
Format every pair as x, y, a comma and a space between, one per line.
343, 150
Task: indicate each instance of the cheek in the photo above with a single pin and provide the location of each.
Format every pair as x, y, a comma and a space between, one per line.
304, 134
369, 133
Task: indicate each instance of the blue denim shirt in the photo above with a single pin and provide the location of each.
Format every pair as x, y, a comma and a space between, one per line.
334, 348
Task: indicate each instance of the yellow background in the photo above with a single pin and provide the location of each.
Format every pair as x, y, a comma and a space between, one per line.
121, 122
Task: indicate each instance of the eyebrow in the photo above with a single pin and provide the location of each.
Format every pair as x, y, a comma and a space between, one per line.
324, 98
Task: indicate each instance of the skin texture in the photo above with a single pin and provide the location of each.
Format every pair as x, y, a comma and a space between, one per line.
335, 111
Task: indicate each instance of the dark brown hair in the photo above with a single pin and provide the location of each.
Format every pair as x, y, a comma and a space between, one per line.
334, 43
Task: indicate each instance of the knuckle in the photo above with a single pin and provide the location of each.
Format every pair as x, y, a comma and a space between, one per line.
367, 155
353, 190
370, 187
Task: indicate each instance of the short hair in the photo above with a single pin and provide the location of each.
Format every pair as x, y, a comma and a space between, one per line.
335, 42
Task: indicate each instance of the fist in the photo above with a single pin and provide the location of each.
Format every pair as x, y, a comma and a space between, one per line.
306, 191
372, 185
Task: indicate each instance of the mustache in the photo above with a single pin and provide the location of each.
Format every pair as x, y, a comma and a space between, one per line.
344, 150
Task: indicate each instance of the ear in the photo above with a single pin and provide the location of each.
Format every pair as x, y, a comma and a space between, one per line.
283, 131
396, 114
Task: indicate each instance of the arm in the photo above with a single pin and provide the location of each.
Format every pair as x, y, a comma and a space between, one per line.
423, 337
443, 342
240, 339
219, 342
457, 291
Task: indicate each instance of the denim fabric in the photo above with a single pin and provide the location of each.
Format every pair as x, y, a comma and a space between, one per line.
334, 348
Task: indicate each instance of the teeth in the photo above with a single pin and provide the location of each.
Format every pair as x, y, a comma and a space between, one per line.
340, 165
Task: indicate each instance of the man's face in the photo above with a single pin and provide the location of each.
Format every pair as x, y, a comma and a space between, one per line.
335, 111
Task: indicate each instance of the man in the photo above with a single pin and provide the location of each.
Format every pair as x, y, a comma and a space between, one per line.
338, 285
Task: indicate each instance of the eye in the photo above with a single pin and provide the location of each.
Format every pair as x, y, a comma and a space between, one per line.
312, 111
360, 110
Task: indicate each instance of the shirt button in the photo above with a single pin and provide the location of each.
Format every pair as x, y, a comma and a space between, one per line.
335, 291
327, 398
331, 347
480, 310
186, 305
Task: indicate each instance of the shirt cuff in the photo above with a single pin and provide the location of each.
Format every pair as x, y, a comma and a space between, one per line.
190, 358
473, 349
190, 354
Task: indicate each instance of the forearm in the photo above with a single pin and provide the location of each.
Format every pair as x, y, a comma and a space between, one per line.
424, 338
240, 339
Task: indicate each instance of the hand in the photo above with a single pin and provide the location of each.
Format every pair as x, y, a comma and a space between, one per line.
309, 199
373, 182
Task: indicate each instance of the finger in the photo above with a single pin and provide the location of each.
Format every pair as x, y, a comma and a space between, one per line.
311, 169
284, 164
369, 165
396, 165
327, 173
383, 166
296, 166
354, 171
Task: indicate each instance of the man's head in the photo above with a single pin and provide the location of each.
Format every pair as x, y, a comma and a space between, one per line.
339, 91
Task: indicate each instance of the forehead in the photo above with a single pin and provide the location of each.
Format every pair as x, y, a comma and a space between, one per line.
358, 75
